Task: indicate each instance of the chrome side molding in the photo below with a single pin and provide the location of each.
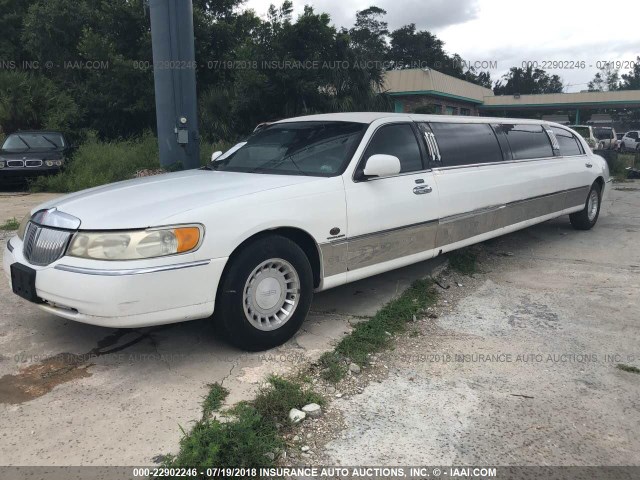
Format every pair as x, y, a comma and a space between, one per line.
130, 271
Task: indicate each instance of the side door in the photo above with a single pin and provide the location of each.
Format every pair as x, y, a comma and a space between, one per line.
630, 140
392, 220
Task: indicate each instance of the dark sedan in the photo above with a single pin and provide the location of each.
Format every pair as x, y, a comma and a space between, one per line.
29, 154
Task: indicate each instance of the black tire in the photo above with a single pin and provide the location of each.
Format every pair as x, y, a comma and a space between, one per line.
230, 308
580, 220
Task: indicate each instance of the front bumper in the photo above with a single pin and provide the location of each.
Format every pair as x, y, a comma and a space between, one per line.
124, 294
28, 172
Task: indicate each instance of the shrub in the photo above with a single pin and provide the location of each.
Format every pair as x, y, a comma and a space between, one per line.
97, 163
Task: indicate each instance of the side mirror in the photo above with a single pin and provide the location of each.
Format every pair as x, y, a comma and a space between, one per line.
215, 155
382, 166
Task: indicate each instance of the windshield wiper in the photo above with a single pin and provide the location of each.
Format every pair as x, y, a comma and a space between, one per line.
275, 164
55, 145
23, 141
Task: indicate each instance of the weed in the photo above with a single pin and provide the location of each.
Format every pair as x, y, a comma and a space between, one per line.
11, 224
627, 368
464, 261
213, 400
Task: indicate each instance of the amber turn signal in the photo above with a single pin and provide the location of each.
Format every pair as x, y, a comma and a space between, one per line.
188, 238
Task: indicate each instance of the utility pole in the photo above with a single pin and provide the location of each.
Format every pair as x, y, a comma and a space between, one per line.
174, 73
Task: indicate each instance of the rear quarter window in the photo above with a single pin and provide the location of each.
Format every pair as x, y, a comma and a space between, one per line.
569, 144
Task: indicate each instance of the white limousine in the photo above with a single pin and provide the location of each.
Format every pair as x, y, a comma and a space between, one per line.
303, 205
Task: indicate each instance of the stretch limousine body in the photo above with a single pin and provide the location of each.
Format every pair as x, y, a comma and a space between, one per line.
304, 205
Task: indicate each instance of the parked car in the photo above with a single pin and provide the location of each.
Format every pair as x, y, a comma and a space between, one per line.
630, 141
304, 205
29, 154
619, 140
598, 138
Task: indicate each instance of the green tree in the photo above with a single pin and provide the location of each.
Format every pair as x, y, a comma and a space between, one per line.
29, 101
410, 47
13, 13
607, 79
631, 80
367, 38
528, 81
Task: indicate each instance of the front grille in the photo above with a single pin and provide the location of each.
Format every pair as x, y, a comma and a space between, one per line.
43, 245
15, 163
33, 163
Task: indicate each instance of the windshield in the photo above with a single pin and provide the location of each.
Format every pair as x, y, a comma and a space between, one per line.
295, 148
33, 141
583, 131
603, 133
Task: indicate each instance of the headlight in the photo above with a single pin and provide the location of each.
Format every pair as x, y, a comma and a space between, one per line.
49, 163
2, 164
137, 244
23, 226
58, 163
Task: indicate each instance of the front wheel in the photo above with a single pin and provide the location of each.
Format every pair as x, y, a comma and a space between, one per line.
265, 294
586, 218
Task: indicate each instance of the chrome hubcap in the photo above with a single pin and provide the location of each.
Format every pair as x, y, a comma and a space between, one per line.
592, 205
271, 294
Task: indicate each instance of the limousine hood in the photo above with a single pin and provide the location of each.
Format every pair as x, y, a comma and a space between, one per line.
151, 201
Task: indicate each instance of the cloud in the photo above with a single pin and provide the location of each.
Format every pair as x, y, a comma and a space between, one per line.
427, 15
431, 15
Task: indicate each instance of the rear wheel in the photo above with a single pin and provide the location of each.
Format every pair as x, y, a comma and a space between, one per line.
586, 218
265, 294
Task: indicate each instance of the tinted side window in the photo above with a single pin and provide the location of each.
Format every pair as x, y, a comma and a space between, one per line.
466, 143
400, 141
528, 141
568, 143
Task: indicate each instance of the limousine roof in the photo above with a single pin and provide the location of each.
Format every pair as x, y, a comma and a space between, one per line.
368, 117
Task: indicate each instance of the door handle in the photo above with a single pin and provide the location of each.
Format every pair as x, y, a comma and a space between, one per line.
588, 165
422, 189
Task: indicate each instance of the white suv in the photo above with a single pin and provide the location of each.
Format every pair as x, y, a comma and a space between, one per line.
630, 141
598, 138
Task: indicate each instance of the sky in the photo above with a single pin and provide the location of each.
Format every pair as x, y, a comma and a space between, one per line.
504, 34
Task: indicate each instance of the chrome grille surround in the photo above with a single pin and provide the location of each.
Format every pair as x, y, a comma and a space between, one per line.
33, 163
43, 245
15, 163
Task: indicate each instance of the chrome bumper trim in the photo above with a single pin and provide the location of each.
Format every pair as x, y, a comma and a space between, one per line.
9, 246
131, 271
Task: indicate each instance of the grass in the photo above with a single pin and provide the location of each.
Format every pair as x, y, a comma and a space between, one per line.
627, 368
249, 435
244, 440
334, 367
377, 333
464, 261
618, 163
281, 395
11, 224
213, 400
